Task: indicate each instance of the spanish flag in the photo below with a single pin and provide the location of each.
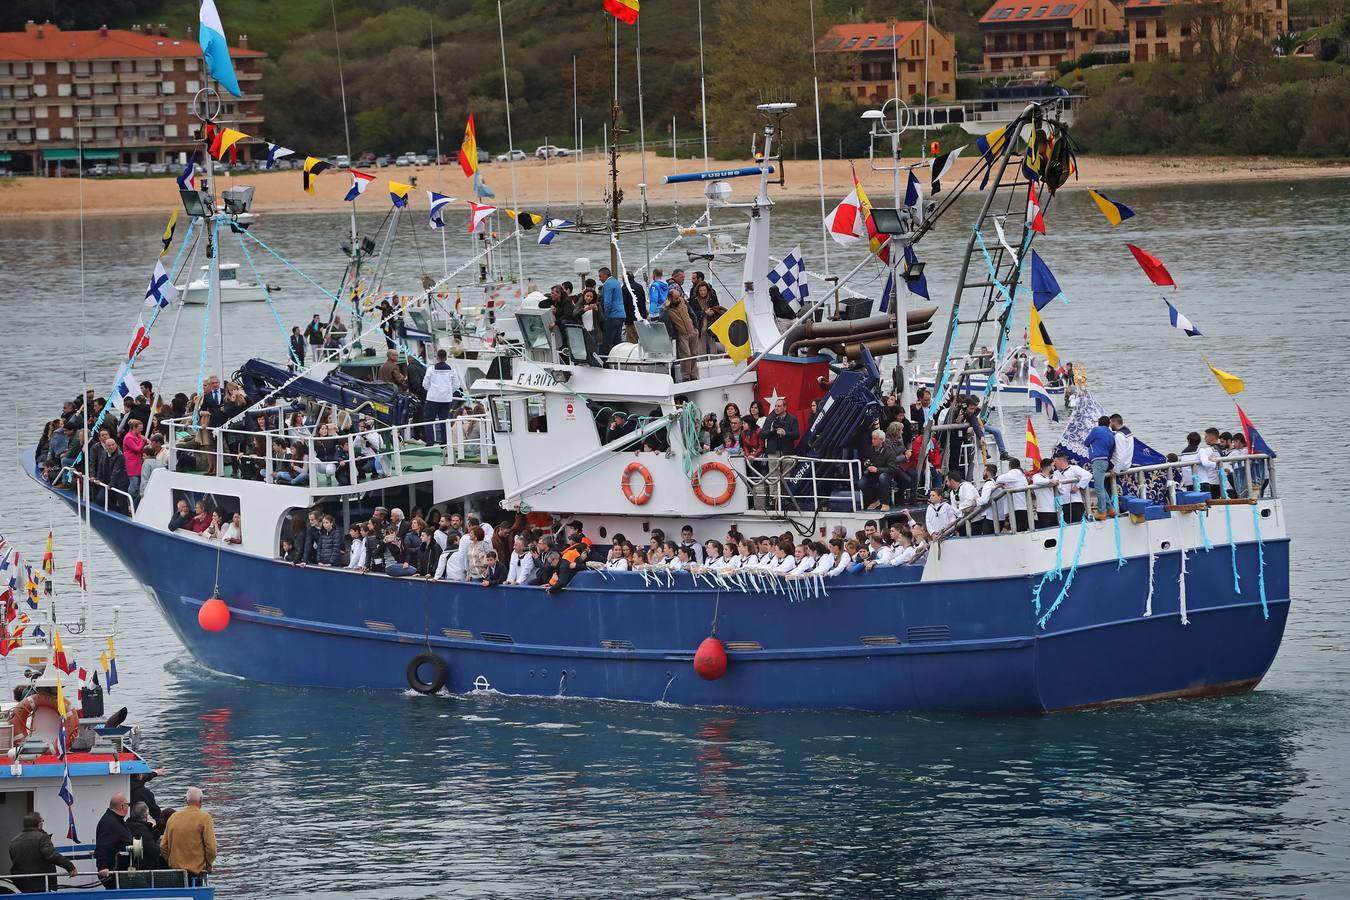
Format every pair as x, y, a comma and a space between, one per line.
398, 193
313, 166
468, 150
732, 329
48, 560
59, 659
1039, 339
626, 11
60, 699
1227, 380
1115, 211
876, 242
1033, 446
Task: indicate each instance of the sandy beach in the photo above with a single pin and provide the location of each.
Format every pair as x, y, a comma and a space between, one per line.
556, 182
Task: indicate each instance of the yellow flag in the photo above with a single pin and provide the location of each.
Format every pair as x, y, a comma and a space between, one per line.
60, 698
1230, 382
1039, 340
168, 231
732, 329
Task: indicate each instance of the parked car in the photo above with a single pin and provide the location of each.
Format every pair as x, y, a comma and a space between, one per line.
382, 161
422, 159
342, 161
403, 160
484, 156
430, 154
158, 168
510, 155
549, 150
366, 159
140, 168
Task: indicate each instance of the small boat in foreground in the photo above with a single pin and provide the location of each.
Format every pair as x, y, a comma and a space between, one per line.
232, 288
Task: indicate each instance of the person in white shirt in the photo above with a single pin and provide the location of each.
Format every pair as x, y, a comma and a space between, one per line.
783, 561
728, 559
919, 534
824, 560
987, 522
1071, 481
520, 569
964, 493
806, 560
687, 540
902, 553
1013, 481
233, 532
356, 552
441, 381
616, 562
454, 563
487, 529
1043, 496
940, 514
1207, 457
842, 560
1122, 457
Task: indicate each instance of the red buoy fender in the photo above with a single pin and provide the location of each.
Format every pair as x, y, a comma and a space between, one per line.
710, 662
214, 615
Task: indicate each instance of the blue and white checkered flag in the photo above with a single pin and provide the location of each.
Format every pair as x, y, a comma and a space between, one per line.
789, 276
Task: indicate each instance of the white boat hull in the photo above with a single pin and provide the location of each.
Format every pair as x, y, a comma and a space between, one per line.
195, 294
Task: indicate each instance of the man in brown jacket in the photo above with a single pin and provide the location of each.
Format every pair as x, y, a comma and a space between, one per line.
676, 311
189, 841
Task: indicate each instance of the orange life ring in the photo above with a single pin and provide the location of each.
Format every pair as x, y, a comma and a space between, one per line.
647, 483
21, 717
727, 473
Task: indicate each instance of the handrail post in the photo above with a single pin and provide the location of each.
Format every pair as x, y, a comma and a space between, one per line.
313, 465
485, 440
268, 465
173, 446
397, 450
351, 463
1270, 476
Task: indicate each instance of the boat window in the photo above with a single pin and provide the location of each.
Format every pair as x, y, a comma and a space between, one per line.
226, 505
501, 415
227, 274
536, 414
576, 342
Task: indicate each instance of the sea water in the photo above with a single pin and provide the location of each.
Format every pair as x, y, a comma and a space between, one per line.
325, 793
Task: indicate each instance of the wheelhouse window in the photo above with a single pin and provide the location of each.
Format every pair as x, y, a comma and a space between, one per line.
536, 414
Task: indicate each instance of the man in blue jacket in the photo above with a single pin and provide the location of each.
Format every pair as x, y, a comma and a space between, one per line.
1101, 442
613, 309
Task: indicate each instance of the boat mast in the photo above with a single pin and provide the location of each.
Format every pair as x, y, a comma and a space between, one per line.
436, 123
820, 149
615, 195
510, 145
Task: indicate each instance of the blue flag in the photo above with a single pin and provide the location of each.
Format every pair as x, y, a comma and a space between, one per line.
917, 285
1044, 287
215, 50
887, 291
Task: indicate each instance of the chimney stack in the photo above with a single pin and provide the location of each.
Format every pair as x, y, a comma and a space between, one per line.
243, 42
103, 31
41, 27
163, 30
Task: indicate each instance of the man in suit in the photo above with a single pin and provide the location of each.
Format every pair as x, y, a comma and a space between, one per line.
112, 471
112, 837
780, 431
31, 853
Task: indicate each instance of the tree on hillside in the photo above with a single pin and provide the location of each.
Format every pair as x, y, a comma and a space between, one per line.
1225, 36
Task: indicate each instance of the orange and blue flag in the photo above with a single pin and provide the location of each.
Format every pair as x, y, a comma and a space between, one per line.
1255, 443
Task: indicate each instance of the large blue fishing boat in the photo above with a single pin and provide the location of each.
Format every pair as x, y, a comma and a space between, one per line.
1168, 592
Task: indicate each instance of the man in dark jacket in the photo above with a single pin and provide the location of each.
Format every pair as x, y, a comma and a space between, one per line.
112, 471
881, 472
140, 793
328, 544
31, 853
142, 827
113, 836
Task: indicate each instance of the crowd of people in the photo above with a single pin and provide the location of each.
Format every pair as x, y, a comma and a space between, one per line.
453, 547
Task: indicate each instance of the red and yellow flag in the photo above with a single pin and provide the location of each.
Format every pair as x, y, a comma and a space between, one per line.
48, 560
1033, 447
876, 242
626, 11
468, 150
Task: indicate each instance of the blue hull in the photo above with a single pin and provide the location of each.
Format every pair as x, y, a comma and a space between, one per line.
971, 645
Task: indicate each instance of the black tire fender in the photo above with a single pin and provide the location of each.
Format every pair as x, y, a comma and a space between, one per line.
440, 673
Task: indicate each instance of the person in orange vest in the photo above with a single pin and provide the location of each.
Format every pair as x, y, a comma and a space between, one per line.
573, 560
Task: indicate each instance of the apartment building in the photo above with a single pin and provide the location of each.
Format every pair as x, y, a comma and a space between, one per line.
1156, 29
1021, 35
129, 92
862, 60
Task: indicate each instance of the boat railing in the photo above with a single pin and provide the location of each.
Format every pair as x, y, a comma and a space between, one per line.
1246, 478
121, 879
804, 483
100, 494
704, 365
344, 458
